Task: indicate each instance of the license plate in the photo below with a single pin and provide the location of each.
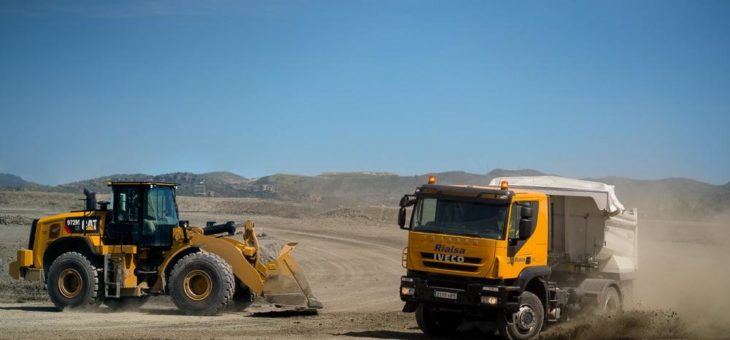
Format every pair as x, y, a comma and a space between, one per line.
444, 295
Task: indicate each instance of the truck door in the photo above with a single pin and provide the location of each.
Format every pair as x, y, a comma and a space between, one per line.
519, 255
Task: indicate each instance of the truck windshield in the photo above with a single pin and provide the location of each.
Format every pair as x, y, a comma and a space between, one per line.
457, 217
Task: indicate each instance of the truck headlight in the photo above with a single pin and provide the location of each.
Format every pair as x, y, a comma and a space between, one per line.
489, 300
407, 291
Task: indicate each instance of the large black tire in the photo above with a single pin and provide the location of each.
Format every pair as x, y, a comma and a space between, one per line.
73, 282
610, 302
526, 323
126, 303
201, 284
437, 323
242, 298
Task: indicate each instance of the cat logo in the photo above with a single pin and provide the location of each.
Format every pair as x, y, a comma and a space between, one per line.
82, 224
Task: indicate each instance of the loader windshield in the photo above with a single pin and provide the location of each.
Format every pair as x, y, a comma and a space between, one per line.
160, 210
459, 217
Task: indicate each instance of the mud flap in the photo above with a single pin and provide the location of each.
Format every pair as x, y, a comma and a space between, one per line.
285, 284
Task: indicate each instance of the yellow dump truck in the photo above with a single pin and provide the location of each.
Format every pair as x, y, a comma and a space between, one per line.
520, 253
121, 255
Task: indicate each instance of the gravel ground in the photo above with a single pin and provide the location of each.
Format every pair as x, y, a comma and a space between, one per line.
353, 266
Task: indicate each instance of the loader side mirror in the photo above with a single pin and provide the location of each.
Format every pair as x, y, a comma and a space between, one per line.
402, 218
407, 201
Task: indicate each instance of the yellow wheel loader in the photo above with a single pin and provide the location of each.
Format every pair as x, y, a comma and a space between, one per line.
139, 247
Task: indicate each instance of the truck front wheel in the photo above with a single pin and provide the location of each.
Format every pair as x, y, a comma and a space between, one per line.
436, 323
527, 322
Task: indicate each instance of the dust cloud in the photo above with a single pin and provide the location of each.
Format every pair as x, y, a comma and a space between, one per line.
681, 289
684, 268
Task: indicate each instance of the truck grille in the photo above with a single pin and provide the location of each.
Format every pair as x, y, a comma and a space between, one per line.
451, 266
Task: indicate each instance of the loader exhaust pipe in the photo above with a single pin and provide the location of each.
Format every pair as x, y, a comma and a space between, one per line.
90, 200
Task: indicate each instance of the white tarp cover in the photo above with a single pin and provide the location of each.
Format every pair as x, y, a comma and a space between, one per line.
603, 194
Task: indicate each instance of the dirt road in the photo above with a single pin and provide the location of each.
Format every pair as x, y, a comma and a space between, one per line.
353, 266
353, 269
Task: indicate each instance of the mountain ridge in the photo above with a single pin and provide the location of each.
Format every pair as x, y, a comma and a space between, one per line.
662, 198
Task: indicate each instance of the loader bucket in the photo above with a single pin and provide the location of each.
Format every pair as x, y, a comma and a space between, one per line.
286, 286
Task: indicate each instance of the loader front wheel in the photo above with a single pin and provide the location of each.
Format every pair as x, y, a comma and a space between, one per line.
201, 284
242, 298
73, 282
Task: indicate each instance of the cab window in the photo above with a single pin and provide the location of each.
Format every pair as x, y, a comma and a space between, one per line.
127, 204
160, 209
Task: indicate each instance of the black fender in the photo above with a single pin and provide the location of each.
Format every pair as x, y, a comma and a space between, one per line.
66, 244
530, 273
534, 279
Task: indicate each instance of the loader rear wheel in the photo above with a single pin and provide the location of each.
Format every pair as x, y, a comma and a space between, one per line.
436, 323
201, 284
73, 282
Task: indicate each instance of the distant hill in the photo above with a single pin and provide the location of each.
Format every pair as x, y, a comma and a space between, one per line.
665, 198
13, 182
208, 184
345, 189
671, 197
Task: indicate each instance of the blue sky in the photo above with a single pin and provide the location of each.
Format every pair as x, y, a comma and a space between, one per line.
583, 89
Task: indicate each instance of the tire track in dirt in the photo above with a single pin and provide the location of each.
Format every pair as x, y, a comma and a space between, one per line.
349, 274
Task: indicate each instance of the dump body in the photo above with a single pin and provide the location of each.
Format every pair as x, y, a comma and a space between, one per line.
588, 225
480, 251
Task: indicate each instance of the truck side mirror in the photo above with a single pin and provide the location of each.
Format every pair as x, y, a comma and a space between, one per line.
526, 212
407, 200
525, 228
402, 218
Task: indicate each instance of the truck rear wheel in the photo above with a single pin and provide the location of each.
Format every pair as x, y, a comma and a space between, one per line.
201, 284
436, 323
527, 322
611, 302
73, 282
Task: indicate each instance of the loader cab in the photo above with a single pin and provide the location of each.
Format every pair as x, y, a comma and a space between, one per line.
142, 214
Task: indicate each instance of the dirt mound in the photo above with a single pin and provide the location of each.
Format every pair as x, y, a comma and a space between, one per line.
627, 325
21, 291
15, 219
345, 213
244, 206
269, 247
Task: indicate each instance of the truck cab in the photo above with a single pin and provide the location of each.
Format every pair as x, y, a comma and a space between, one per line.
499, 253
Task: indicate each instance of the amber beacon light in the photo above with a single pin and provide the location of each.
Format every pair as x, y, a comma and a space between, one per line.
504, 185
432, 179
